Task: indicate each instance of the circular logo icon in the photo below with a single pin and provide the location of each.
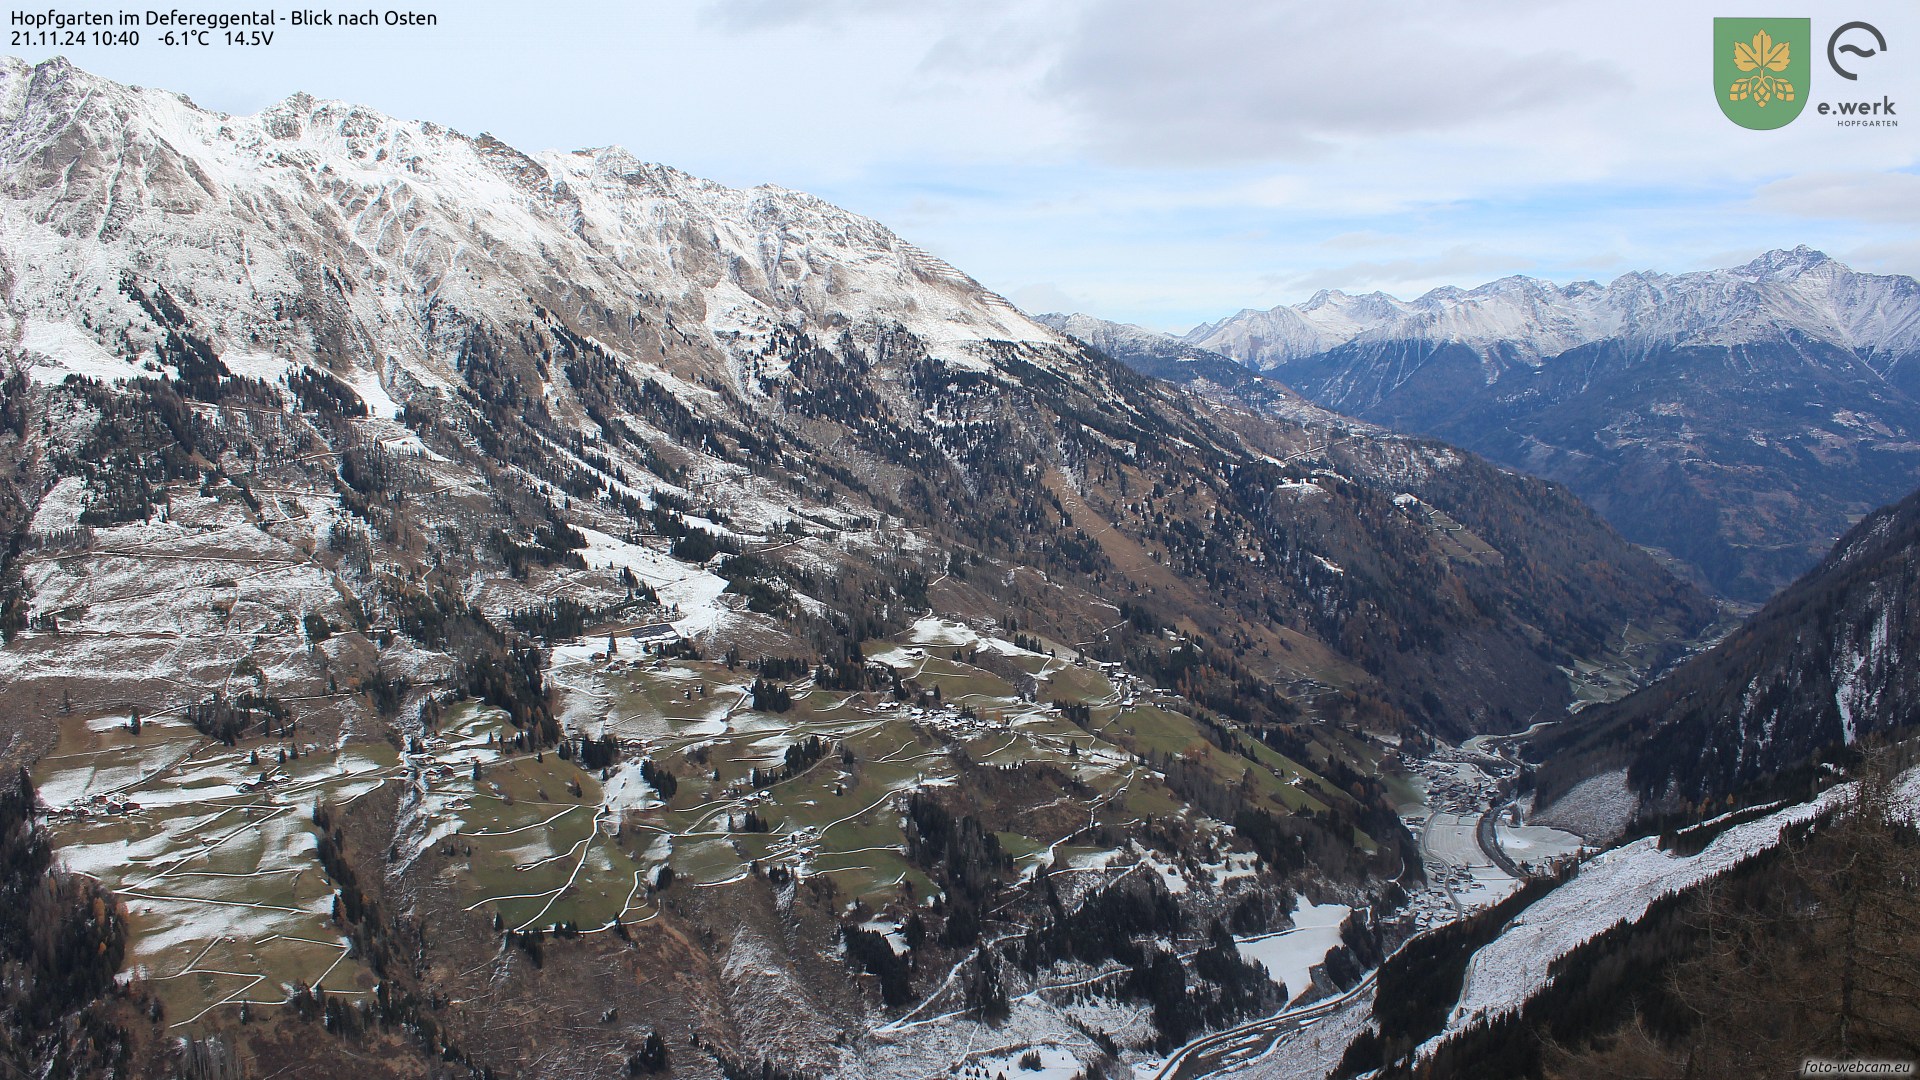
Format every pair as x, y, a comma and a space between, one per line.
1835, 48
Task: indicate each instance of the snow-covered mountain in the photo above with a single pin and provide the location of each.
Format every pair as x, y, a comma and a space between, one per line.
601, 324
318, 215
1826, 664
1801, 293
1736, 419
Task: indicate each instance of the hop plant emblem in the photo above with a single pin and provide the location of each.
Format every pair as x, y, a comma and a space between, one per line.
1762, 56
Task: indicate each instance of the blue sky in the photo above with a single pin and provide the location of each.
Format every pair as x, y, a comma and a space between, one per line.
1155, 162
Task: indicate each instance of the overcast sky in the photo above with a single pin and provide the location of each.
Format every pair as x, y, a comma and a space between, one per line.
1158, 162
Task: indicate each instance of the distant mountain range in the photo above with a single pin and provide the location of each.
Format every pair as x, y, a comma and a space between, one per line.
1801, 293
1738, 419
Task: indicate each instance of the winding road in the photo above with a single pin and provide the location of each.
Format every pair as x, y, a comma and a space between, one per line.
1203, 1055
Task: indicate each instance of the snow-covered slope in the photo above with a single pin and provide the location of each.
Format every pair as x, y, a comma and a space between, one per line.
1827, 662
1615, 887
374, 227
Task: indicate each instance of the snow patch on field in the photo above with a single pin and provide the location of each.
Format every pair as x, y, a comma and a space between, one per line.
1536, 843
60, 509
1005, 648
937, 631
626, 790
1097, 860
1235, 865
1289, 956
1300, 489
887, 928
698, 599
260, 366
607, 552
1169, 873
56, 349
1055, 1063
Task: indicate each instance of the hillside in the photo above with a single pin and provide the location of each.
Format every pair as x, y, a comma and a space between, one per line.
1820, 668
1734, 948
769, 353
554, 593
1738, 419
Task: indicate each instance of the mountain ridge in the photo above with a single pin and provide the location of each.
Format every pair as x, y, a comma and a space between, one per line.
380, 278
1215, 376
1813, 291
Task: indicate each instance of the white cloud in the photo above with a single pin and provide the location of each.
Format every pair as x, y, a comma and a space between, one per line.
1457, 263
1223, 81
1890, 197
1897, 255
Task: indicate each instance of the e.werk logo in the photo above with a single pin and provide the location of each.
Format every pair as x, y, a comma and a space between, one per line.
1762, 72
1835, 47
1864, 42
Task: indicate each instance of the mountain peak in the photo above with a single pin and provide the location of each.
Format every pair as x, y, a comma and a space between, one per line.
1781, 264
1515, 284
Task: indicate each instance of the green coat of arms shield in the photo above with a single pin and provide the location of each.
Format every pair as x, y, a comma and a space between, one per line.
1761, 69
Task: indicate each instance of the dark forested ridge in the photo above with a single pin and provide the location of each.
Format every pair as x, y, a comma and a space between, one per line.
1827, 663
